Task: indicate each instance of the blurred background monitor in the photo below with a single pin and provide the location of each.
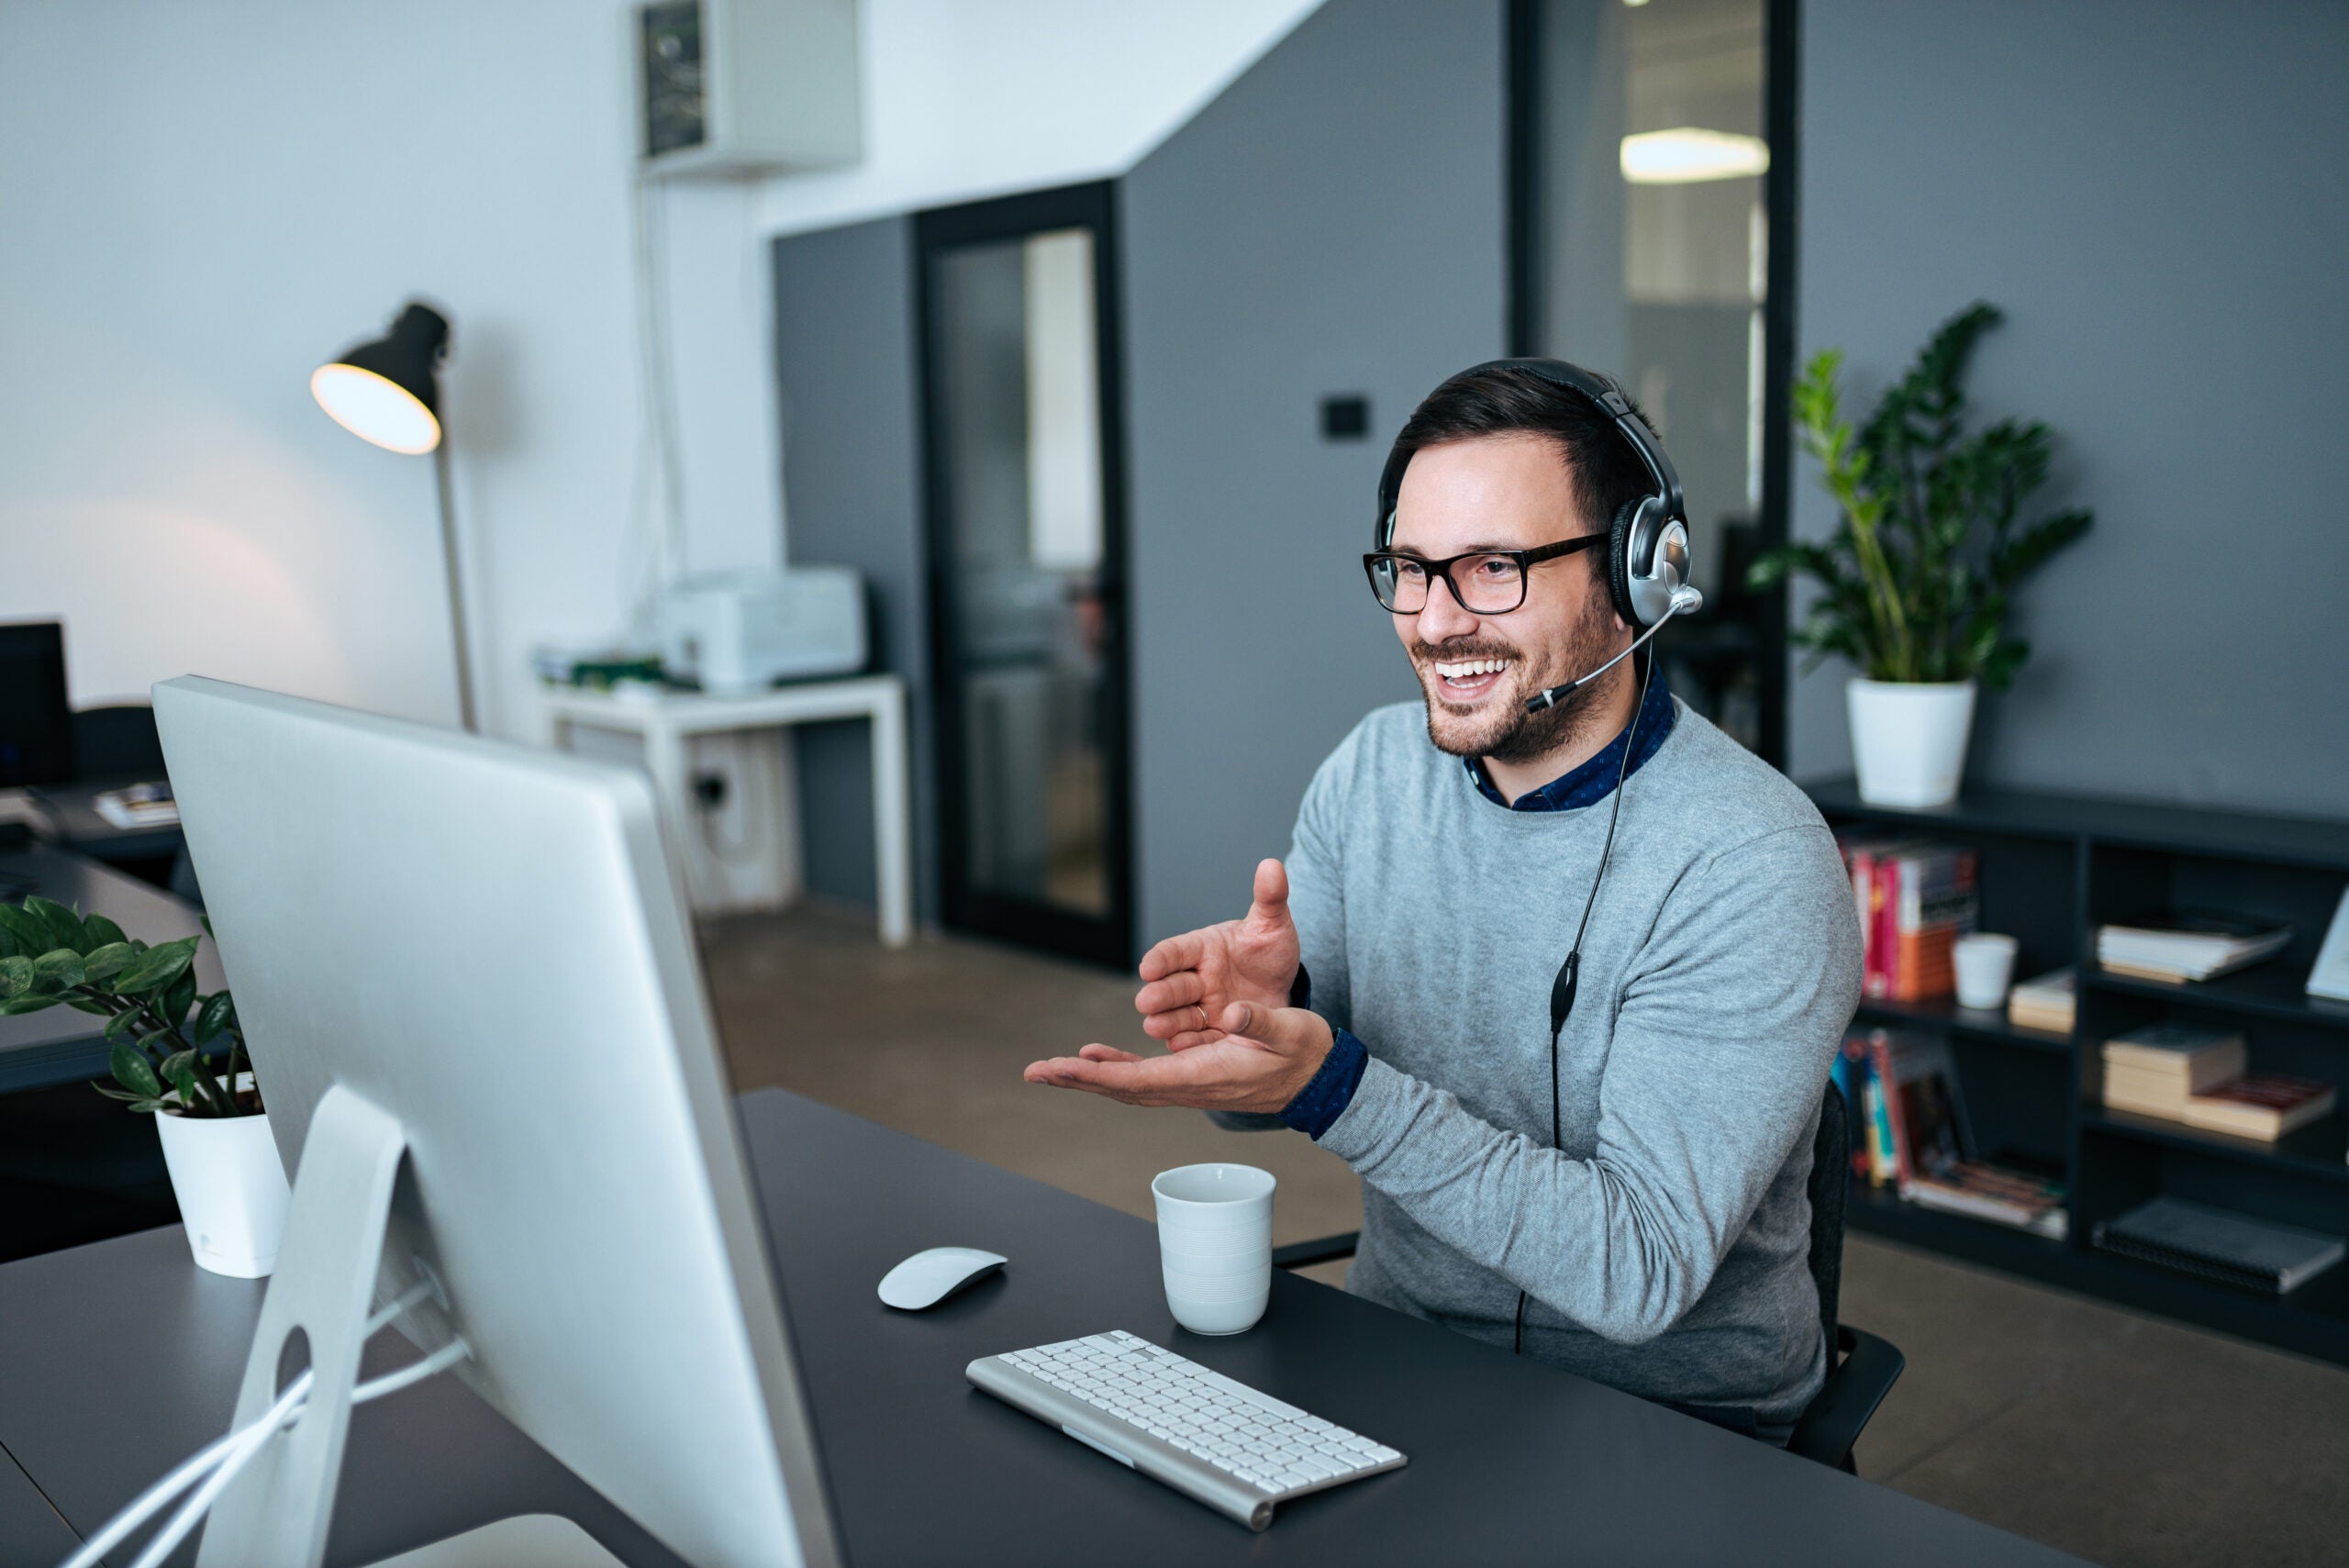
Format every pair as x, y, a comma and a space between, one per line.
36, 723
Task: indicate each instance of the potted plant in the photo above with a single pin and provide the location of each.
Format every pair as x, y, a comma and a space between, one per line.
1916, 580
174, 1053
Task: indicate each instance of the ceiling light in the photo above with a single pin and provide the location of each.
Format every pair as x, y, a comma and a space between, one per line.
1687, 154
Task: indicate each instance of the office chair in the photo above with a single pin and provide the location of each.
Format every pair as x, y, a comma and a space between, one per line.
116, 741
1862, 1368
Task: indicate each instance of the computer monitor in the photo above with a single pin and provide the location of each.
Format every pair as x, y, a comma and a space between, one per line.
36, 719
480, 953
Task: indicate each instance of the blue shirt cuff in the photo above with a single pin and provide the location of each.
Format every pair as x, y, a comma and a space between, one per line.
1327, 1095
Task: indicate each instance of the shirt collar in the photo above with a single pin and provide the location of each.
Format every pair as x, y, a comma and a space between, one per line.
1593, 780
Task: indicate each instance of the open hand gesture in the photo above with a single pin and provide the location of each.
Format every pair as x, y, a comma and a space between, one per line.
1192, 978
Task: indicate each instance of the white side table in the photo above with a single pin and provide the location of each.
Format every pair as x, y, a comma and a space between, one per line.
664, 720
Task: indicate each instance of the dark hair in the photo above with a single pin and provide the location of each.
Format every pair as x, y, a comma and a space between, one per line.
1605, 472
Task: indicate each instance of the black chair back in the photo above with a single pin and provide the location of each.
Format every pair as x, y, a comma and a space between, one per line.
118, 741
1830, 1170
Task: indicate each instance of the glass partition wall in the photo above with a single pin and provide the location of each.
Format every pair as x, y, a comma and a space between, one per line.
1651, 202
1025, 491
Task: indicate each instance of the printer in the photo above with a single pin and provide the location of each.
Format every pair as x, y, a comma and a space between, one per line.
741, 631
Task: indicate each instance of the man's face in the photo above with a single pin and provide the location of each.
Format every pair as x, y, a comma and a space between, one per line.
1478, 670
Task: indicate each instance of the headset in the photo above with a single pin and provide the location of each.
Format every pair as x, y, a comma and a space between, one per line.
1647, 578
1647, 544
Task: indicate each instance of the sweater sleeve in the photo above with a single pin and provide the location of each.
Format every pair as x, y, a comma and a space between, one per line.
1724, 1032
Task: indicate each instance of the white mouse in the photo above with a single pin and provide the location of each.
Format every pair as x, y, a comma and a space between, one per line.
927, 1278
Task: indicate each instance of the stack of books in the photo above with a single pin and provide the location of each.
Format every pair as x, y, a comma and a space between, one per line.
2187, 947
1910, 1133
2195, 1077
2216, 1244
1914, 898
2050, 1002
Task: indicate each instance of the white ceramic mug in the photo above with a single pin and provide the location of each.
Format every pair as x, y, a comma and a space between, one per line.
1215, 1244
1985, 967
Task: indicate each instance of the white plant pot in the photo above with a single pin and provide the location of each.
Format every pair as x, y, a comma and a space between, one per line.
1909, 739
231, 1188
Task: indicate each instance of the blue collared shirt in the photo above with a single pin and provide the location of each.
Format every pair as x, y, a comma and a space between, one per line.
1330, 1090
1595, 780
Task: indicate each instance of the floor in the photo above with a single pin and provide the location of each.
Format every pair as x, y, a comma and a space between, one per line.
2127, 1439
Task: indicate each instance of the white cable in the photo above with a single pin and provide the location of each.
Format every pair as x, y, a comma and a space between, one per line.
245, 1447
155, 1498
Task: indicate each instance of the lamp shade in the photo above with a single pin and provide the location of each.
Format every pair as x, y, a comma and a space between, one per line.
387, 391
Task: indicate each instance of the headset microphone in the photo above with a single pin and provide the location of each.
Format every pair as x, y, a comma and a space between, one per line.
1685, 601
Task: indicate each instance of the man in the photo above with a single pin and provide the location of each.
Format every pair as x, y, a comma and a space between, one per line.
1658, 1242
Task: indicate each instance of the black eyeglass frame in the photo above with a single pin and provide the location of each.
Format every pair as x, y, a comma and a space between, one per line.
1526, 561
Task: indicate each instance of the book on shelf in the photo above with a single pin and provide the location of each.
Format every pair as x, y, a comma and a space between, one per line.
1917, 1141
2329, 977
2152, 1070
1914, 898
2189, 946
2219, 1244
2265, 1105
2051, 1002
2003, 1197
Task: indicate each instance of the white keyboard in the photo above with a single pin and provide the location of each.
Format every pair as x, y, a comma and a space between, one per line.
1216, 1440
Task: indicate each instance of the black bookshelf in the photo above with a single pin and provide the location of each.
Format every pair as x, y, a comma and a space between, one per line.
2053, 867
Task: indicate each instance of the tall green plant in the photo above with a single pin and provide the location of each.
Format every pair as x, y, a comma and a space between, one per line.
171, 1048
1916, 580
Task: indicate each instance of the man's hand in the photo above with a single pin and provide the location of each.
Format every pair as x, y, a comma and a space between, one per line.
1193, 978
1260, 1058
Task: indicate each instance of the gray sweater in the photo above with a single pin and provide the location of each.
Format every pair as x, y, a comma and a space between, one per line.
1664, 1243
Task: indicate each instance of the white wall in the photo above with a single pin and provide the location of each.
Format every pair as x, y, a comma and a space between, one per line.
971, 98
202, 202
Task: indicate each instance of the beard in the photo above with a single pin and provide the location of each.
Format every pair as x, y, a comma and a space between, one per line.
1500, 728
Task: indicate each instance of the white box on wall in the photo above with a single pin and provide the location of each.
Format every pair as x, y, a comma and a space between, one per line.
743, 88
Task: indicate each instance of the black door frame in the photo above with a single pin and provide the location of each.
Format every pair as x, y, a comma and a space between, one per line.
1106, 939
1782, 120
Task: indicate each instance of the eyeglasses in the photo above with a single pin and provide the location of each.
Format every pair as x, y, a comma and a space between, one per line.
1485, 582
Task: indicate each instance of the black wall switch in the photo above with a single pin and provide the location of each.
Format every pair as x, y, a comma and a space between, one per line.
1345, 416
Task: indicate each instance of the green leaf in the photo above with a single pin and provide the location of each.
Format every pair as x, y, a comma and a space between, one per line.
157, 968
58, 971
178, 1064
15, 975
180, 997
219, 1009
133, 1070
122, 1023
13, 1006
65, 926
110, 1092
103, 964
105, 930
28, 932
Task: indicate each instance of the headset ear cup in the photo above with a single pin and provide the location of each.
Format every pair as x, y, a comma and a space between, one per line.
1619, 560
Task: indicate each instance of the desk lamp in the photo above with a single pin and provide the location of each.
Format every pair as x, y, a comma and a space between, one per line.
387, 391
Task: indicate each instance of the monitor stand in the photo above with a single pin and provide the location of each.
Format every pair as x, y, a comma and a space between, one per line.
275, 1513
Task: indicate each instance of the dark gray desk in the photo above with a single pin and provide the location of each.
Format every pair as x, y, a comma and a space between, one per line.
61, 1045
119, 1359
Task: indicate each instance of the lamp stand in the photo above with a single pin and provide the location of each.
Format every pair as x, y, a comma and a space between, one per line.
456, 587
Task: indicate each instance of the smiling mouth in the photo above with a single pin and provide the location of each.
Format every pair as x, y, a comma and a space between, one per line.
1466, 679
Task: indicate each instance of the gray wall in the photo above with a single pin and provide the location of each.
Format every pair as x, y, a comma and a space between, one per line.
1332, 223
2152, 193
844, 355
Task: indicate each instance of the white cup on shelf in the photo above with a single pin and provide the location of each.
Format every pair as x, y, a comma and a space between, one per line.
1986, 968
1215, 1244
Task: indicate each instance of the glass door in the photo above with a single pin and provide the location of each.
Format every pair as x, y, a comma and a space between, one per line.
1652, 172
1026, 536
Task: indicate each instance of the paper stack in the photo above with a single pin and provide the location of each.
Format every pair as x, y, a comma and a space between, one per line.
2187, 947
